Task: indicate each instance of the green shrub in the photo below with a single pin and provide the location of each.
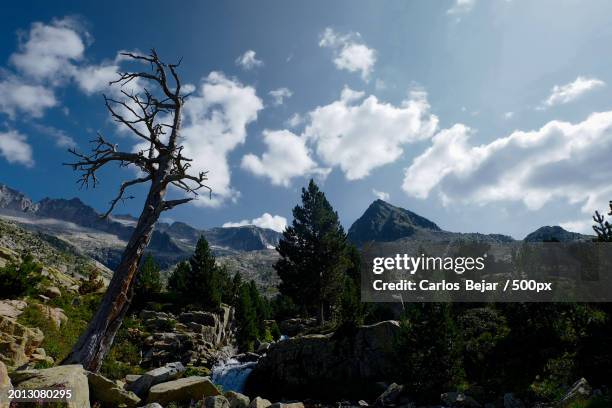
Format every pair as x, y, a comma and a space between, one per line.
18, 280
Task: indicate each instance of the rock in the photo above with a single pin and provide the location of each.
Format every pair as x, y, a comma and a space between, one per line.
152, 405
362, 403
5, 385
52, 292
290, 405
12, 308
390, 395
237, 400
580, 390
263, 347
328, 367
17, 342
130, 378
55, 314
71, 377
107, 392
216, 401
259, 402
159, 375
183, 389
247, 357
459, 399
510, 401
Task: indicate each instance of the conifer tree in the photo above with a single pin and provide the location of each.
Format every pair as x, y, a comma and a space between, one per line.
314, 255
148, 282
204, 277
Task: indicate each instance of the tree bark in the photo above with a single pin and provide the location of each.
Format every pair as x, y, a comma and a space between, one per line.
97, 339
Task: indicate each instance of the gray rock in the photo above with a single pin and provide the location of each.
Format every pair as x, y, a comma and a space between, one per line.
263, 347
390, 395
110, 393
216, 401
237, 400
580, 390
259, 402
159, 375
5, 385
183, 389
287, 405
152, 405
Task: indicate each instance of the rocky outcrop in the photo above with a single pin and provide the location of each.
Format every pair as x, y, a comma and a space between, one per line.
12, 308
183, 390
71, 377
237, 400
55, 314
5, 385
159, 375
581, 390
328, 366
109, 394
216, 401
296, 326
259, 402
17, 342
195, 338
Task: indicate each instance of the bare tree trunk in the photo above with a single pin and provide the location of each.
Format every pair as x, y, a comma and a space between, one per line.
97, 339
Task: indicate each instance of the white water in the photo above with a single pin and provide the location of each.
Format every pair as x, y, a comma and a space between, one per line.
231, 374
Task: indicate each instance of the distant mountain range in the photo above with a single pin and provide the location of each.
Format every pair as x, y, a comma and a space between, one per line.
248, 249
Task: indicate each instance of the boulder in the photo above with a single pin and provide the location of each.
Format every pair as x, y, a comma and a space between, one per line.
183, 389
247, 357
259, 402
581, 390
390, 396
17, 342
52, 292
328, 367
108, 393
152, 405
159, 375
12, 308
510, 401
296, 326
5, 385
216, 401
459, 399
290, 405
263, 347
72, 377
237, 400
130, 378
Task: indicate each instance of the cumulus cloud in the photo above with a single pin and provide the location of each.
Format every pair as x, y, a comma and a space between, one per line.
267, 220
560, 160
562, 94
583, 226
60, 137
15, 148
279, 95
295, 120
381, 195
360, 134
48, 51
18, 96
350, 53
286, 157
214, 123
461, 7
248, 60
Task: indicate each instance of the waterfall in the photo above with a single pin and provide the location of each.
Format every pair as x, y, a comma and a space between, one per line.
231, 374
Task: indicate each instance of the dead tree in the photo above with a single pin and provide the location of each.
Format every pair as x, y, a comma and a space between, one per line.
153, 115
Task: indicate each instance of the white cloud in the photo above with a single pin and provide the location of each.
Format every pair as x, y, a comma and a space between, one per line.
214, 123
561, 160
508, 115
461, 7
273, 222
248, 60
15, 149
360, 135
295, 120
95, 78
48, 51
286, 157
60, 137
583, 226
350, 53
381, 195
562, 94
18, 96
280, 94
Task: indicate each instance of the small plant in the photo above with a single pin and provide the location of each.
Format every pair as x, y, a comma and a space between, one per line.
93, 283
18, 280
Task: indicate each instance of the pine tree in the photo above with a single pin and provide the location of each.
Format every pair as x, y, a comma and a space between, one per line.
314, 255
148, 282
204, 285
246, 316
177, 282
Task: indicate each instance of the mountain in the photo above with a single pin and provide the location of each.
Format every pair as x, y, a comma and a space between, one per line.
555, 234
15, 201
383, 222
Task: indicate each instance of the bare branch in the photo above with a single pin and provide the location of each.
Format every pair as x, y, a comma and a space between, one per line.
122, 189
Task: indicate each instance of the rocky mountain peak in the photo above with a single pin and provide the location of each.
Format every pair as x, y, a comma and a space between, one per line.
385, 222
555, 234
14, 200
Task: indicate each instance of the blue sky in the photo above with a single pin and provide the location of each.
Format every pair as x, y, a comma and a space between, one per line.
483, 116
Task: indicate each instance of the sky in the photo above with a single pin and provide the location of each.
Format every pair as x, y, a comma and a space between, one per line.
482, 116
